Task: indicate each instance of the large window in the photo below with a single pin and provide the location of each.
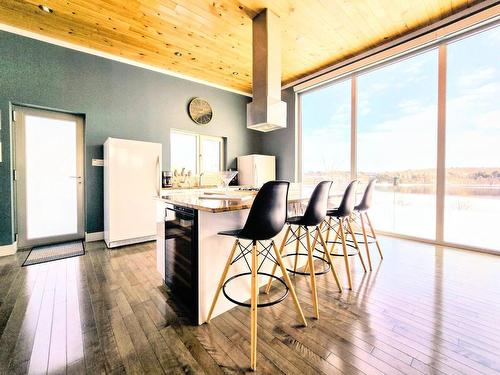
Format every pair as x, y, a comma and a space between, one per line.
397, 128
196, 153
472, 204
438, 175
326, 135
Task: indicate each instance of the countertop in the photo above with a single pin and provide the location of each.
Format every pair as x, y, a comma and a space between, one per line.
298, 193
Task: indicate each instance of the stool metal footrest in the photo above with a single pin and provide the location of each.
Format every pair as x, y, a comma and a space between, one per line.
342, 254
308, 273
265, 304
348, 244
359, 235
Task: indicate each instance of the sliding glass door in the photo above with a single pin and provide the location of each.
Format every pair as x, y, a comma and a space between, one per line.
472, 203
382, 122
397, 128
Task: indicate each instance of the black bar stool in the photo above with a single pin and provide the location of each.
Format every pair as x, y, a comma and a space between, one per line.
265, 220
343, 226
362, 209
313, 216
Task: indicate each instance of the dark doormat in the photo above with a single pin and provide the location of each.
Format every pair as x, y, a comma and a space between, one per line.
48, 253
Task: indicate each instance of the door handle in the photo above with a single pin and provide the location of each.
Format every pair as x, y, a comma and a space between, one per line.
79, 178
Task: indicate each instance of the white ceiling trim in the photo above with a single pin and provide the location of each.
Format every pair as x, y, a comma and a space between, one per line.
91, 51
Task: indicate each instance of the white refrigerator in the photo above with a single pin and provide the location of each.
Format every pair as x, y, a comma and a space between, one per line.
132, 178
255, 170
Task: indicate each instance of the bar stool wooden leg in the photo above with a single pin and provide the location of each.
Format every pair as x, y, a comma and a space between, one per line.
328, 231
253, 309
355, 242
334, 243
329, 258
374, 235
329, 228
289, 285
344, 249
222, 279
315, 241
312, 274
297, 244
282, 247
319, 229
365, 238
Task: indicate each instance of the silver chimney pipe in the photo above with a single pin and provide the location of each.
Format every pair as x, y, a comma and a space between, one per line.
266, 112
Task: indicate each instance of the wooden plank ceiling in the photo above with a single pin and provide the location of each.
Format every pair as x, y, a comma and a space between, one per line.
211, 40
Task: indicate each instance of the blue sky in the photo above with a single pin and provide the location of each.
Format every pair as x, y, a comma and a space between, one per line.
397, 113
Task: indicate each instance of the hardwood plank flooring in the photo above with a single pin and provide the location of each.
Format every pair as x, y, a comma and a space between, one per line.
422, 310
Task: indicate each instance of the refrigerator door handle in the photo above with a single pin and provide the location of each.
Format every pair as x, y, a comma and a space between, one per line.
158, 177
256, 175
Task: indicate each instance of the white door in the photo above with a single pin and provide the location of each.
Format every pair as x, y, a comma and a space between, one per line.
49, 166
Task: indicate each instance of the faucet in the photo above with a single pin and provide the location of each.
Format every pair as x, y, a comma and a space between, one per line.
200, 179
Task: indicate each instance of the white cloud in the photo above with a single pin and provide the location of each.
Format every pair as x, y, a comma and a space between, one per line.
406, 142
364, 107
410, 106
478, 76
487, 120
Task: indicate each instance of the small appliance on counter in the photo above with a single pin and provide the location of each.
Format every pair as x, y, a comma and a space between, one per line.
166, 179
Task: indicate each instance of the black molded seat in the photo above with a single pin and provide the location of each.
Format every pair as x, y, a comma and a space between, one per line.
314, 215
366, 201
232, 233
268, 213
294, 220
342, 216
316, 208
265, 220
361, 213
347, 204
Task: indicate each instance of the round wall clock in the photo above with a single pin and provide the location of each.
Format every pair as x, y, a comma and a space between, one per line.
200, 111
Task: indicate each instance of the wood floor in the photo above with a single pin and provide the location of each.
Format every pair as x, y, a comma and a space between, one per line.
421, 310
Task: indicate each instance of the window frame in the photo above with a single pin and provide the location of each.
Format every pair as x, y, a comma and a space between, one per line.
199, 148
441, 46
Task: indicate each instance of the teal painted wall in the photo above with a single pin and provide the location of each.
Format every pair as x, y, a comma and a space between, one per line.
118, 100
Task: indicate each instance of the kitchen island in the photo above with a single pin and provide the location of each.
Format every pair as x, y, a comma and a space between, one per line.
191, 255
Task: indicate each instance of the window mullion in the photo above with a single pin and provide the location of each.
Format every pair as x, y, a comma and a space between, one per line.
354, 152
441, 145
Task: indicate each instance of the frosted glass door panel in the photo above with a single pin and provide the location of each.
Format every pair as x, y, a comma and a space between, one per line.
51, 177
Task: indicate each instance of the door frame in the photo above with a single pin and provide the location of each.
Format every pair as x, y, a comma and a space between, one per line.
18, 137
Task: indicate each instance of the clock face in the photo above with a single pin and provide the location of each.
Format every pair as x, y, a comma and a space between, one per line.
200, 111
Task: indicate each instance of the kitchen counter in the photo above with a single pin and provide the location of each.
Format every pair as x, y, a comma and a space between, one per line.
193, 199
191, 255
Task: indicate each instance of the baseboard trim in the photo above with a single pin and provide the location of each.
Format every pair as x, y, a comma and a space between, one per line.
131, 241
94, 236
8, 249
